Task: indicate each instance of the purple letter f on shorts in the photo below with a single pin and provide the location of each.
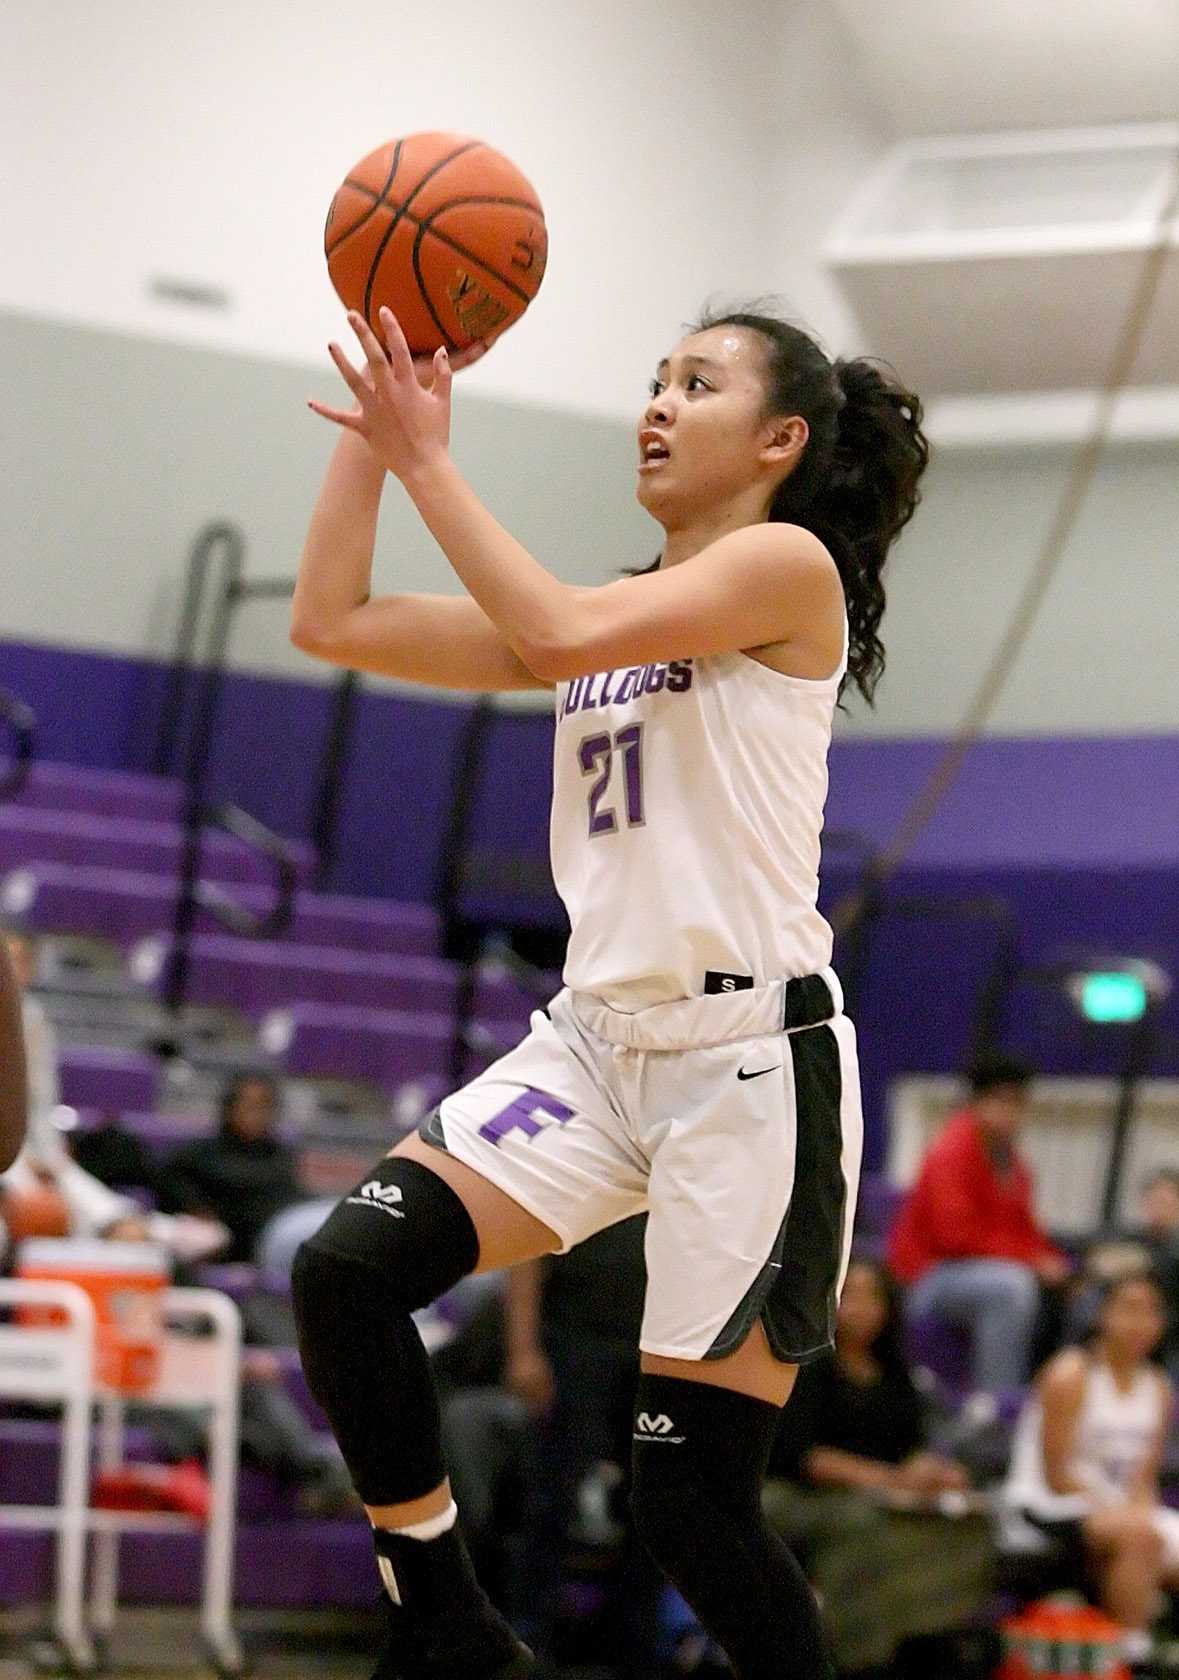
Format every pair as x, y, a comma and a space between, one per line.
521, 1116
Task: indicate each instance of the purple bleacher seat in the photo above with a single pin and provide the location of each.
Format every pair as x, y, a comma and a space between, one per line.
30, 1458
122, 905
379, 926
280, 1564
256, 976
942, 1348
499, 998
26, 1566
281, 1559
101, 793
127, 905
306, 1565
29, 834
876, 1206
99, 1076
28, 1461
156, 1130
389, 1048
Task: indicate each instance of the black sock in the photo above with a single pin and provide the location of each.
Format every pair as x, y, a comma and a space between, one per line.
700, 1454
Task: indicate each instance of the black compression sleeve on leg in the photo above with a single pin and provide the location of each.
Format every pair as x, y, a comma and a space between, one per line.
700, 1454
396, 1243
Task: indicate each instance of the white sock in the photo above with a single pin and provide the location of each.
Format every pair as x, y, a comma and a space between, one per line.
1136, 1644
430, 1527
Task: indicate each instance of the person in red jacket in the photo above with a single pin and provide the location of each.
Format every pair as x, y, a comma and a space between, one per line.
967, 1243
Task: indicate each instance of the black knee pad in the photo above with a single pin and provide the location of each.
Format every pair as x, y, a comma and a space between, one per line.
401, 1221
396, 1243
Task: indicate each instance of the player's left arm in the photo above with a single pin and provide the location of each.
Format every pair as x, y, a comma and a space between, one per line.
757, 587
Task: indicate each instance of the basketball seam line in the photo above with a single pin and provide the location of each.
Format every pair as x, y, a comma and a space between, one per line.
401, 210
378, 199
426, 225
426, 298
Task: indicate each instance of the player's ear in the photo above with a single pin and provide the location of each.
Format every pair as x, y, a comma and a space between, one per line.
786, 437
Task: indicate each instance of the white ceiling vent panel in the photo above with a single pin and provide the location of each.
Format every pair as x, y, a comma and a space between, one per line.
998, 263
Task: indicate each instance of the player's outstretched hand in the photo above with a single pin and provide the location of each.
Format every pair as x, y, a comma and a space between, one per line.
402, 404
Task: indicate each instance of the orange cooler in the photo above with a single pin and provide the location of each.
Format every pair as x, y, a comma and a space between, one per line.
124, 1280
1059, 1639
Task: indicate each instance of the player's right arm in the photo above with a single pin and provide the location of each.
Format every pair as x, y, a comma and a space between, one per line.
444, 641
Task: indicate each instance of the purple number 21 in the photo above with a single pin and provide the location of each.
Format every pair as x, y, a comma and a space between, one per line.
595, 754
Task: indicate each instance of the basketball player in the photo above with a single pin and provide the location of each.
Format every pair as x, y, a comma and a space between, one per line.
697, 1062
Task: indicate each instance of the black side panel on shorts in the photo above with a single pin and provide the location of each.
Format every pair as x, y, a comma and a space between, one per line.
795, 1292
430, 1129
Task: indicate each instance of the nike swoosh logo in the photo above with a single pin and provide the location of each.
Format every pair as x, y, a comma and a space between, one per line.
756, 1074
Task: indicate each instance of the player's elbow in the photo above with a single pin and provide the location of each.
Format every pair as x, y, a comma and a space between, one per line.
555, 654
311, 636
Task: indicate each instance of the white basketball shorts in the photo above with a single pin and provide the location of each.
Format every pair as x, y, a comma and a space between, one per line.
733, 1119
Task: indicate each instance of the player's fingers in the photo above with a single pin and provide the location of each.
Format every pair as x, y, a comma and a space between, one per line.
399, 355
442, 374
352, 418
374, 352
350, 375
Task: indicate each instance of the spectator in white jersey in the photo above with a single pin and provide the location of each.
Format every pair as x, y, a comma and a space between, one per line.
697, 1063
1086, 1456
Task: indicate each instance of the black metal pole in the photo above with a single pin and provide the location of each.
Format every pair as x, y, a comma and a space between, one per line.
175, 981
1138, 1049
325, 810
219, 534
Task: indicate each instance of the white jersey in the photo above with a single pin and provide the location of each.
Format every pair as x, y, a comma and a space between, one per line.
1115, 1432
687, 807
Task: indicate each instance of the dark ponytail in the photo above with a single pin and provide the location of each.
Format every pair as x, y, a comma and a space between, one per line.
856, 483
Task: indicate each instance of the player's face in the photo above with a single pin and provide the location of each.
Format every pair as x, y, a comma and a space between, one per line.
704, 435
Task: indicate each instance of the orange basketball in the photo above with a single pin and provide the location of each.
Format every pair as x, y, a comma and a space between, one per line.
443, 231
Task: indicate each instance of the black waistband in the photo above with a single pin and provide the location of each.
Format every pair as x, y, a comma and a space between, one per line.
808, 1002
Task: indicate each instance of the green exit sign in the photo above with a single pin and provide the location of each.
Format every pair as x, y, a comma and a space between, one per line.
1112, 997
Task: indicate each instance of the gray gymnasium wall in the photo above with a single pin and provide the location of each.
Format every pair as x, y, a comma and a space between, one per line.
115, 450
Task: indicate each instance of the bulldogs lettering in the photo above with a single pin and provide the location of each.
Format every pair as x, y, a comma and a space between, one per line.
615, 688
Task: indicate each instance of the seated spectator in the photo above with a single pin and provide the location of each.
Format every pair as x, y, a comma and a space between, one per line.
1086, 1456
884, 1527
1151, 1243
967, 1243
243, 1175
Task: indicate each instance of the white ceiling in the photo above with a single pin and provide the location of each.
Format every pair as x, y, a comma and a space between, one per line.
955, 66
985, 330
